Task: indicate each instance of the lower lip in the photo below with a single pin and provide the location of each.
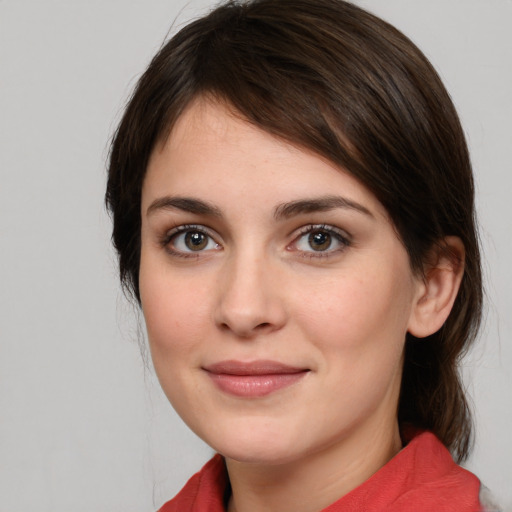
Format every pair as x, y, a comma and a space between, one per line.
254, 386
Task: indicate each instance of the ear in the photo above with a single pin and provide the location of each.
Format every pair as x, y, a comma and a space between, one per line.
437, 292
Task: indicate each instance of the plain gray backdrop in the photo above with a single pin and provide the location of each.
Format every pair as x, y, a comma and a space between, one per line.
83, 423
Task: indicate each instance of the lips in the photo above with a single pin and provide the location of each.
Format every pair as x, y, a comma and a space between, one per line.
254, 379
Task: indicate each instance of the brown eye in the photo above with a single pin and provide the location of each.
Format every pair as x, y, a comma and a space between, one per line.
190, 239
195, 240
320, 240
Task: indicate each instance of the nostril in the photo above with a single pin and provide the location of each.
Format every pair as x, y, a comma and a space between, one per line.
245, 331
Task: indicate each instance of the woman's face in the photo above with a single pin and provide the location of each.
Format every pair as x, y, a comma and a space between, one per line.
276, 293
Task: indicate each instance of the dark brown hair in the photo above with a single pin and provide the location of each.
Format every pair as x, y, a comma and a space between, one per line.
330, 77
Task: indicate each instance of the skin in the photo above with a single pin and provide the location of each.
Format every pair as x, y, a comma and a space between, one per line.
258, 290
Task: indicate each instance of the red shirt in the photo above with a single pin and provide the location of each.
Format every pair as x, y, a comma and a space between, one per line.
422, 477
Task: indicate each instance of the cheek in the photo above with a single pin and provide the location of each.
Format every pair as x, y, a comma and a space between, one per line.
176, 322
354, 313
358, 329
175, 311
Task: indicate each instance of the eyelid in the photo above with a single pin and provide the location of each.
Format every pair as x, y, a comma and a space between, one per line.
189, 227
323, 227
168, 236
342, 236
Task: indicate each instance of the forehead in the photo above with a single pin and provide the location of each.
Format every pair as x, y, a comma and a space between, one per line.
207, 123
214, 152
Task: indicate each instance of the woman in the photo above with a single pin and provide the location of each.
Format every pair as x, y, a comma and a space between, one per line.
292, 201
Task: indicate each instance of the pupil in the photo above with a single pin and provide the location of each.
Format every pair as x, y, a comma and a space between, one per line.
319, 240
195, 241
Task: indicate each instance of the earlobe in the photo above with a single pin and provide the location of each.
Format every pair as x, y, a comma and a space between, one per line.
437, 292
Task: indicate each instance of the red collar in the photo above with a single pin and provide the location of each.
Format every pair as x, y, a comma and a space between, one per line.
422, 477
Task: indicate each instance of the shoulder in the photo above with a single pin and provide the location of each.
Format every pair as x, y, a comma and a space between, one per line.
422, 477
436, 473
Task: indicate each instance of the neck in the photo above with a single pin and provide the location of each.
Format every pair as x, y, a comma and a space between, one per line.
318, 479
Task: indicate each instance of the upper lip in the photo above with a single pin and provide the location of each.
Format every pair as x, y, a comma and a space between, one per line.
260, 367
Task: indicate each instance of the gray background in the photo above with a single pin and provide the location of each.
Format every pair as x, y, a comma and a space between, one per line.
83, 424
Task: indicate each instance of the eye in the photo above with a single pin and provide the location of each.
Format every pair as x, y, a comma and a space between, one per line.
320, 239
185, 240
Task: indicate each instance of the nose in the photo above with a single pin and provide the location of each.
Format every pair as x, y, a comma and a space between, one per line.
249, 301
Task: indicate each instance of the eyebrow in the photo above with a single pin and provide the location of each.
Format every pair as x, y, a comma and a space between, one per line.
319, 204
186, 204
283, 211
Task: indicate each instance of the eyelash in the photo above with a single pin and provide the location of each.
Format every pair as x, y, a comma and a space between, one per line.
337, 235
167, 239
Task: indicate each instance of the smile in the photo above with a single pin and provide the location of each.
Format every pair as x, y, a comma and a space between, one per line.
255, 379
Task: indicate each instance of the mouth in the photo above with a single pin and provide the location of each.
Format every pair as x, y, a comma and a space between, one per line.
254, 379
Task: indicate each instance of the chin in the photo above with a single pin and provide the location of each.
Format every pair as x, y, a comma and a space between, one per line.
261, 447
263, 456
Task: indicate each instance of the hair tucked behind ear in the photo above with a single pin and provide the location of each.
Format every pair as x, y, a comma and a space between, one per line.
332, 78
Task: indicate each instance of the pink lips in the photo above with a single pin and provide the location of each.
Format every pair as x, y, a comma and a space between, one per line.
255, 379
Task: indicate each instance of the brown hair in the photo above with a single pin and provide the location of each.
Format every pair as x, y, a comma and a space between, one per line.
332, 78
